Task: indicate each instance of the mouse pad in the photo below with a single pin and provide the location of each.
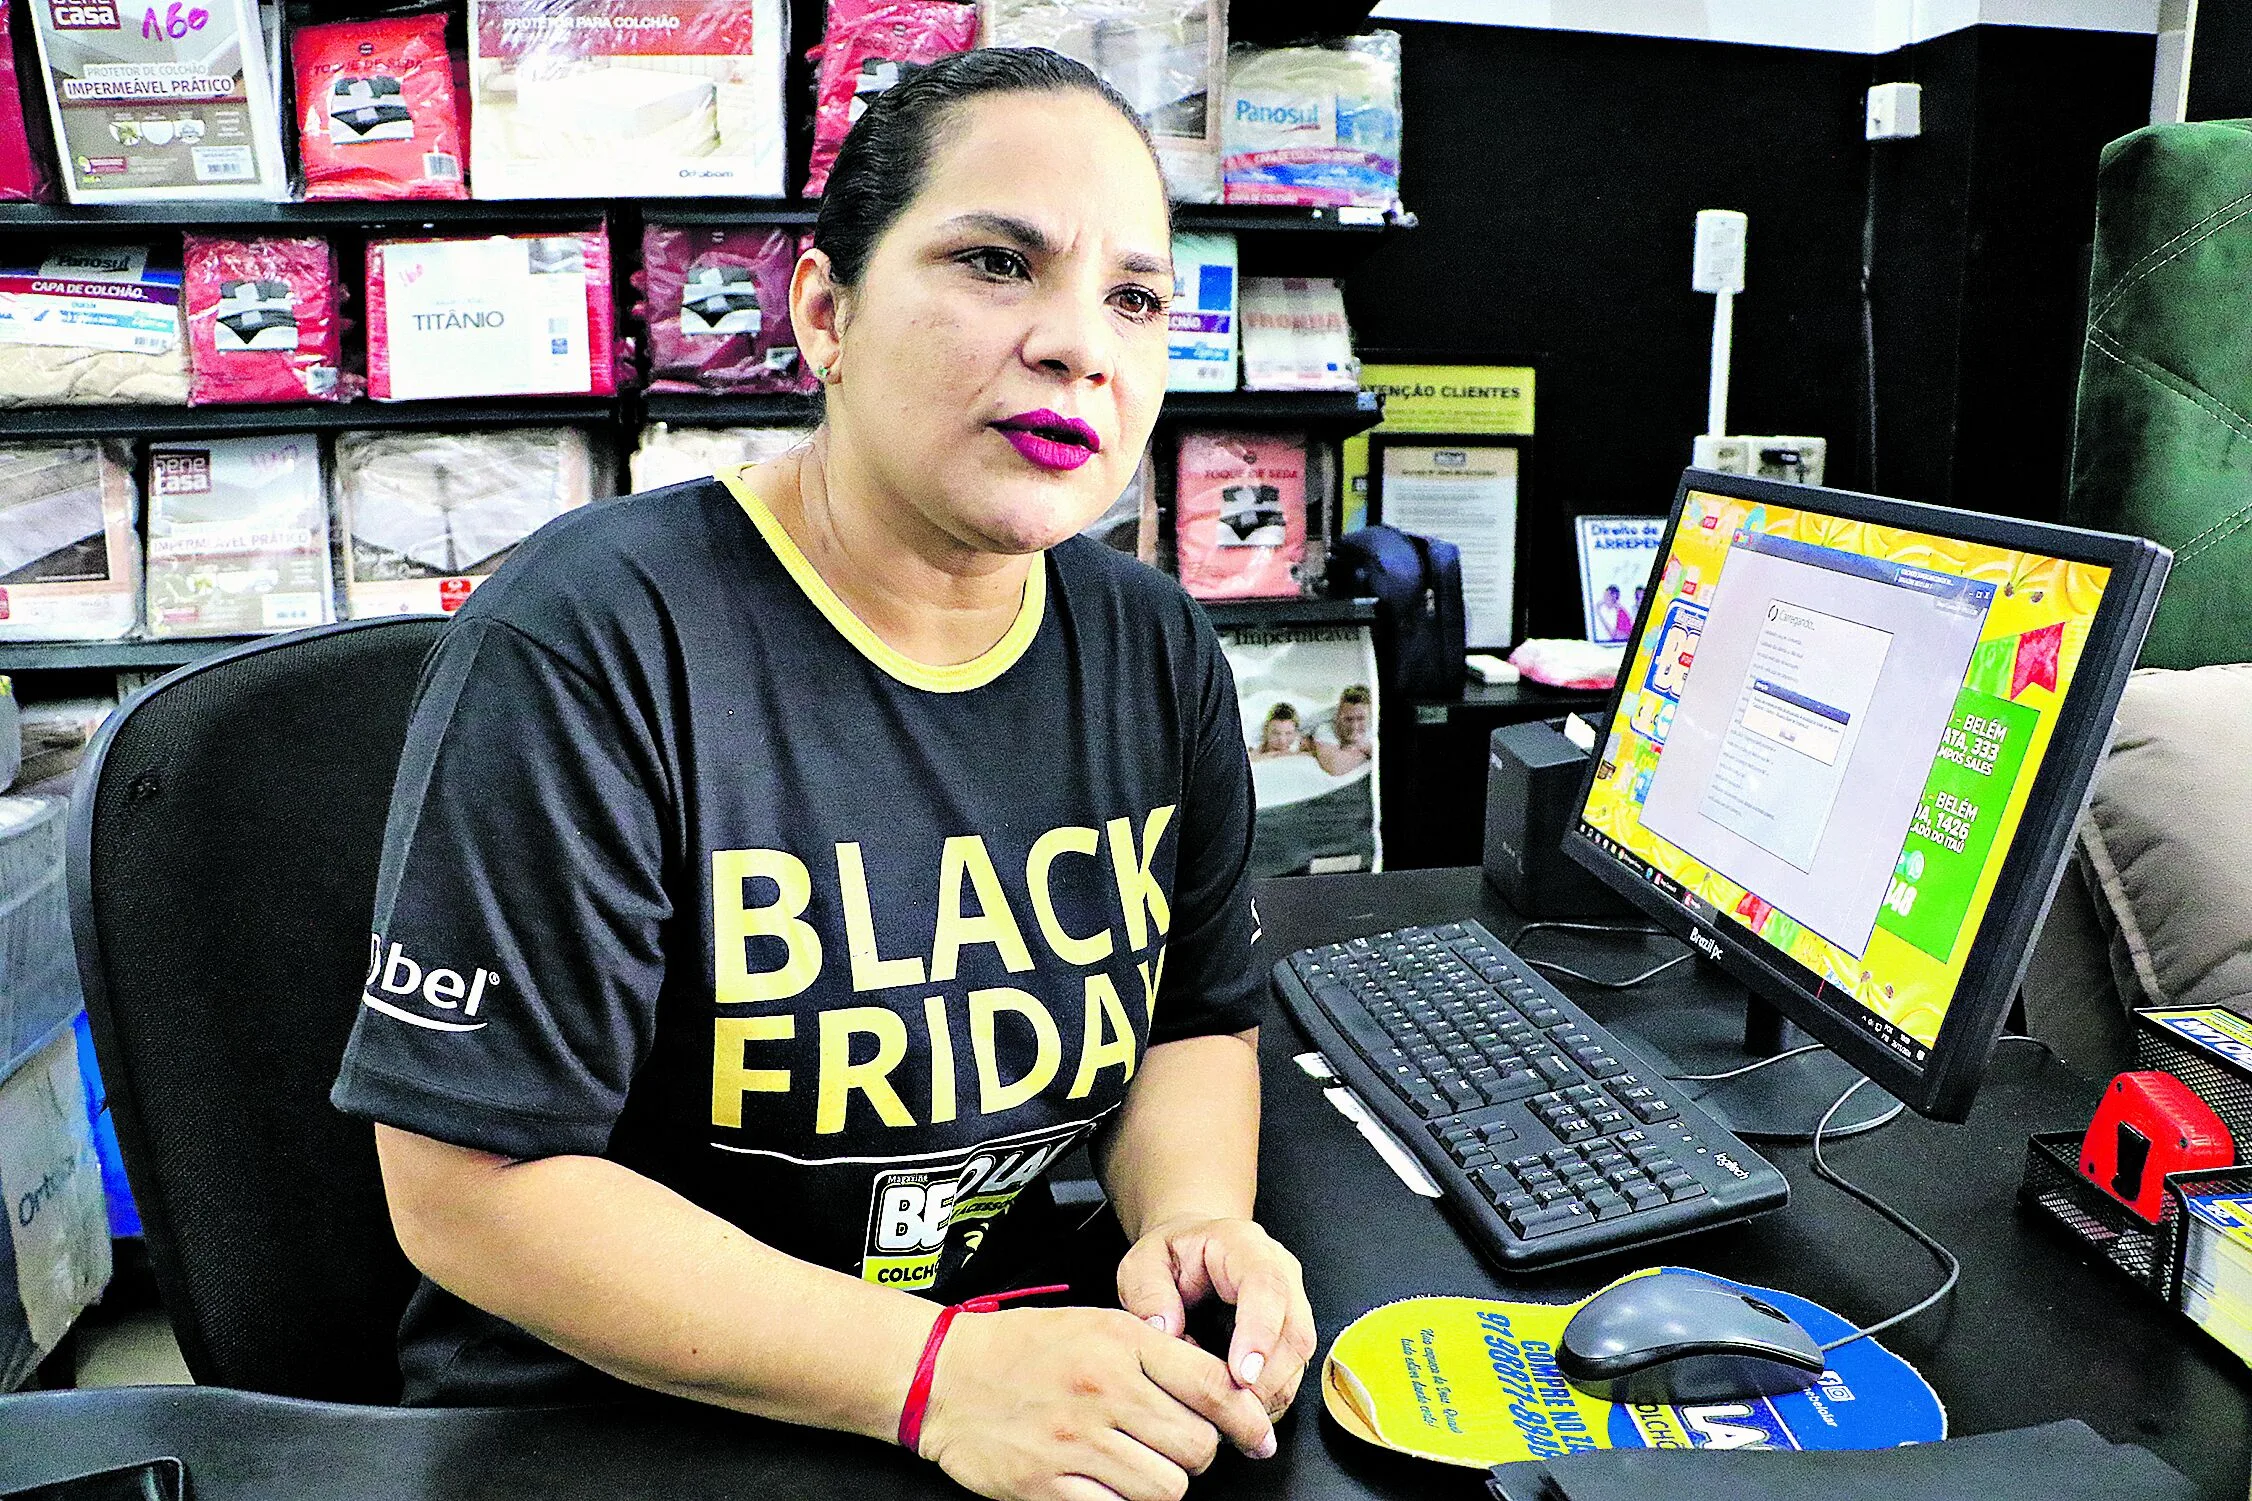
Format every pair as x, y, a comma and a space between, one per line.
1473, 1381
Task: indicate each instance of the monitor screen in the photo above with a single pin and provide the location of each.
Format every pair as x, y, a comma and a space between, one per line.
1827, 737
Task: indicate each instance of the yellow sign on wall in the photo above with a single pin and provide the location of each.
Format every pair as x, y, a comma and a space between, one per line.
1437, 399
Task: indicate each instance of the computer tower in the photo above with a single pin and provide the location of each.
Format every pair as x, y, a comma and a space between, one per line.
1533, 778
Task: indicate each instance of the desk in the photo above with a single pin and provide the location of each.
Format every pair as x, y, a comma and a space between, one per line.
2032, 1334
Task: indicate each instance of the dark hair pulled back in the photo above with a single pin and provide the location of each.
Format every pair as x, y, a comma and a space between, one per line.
881, 166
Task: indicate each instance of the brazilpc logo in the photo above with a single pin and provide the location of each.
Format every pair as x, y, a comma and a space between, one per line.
396, 975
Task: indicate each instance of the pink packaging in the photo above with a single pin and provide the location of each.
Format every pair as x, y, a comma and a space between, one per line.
866, 47
716, 303
263, 321
504, 315
26, 138
376, 110
1240, 513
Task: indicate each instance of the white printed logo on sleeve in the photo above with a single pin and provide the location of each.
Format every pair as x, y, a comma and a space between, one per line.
400, 987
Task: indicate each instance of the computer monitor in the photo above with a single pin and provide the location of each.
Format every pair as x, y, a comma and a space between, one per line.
1847, 748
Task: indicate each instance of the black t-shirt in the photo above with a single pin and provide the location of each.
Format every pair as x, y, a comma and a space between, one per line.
686, 869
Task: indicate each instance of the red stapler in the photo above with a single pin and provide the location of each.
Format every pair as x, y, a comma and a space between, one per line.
2151, 1124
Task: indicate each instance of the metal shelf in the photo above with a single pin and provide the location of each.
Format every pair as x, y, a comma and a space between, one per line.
1339, 413
118, 656
1299, 611
311, 416
1336, 412
733, 411
326, 213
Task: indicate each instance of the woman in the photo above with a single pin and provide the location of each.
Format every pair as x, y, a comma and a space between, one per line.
742, 956
1278, 734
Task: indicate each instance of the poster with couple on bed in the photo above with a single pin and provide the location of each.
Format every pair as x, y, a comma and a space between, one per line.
1307, 697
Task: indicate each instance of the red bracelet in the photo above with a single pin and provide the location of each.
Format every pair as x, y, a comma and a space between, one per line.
919, 1391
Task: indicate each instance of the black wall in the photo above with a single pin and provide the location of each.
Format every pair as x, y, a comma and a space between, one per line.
1557, 176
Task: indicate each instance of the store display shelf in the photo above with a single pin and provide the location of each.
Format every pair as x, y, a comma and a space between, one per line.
1332, 411
327, 213
1269, 218
311, 416
1301, 611
111, 656
732, 411
1339, 413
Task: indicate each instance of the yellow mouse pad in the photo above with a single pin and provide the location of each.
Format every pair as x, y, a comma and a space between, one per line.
1473, 1381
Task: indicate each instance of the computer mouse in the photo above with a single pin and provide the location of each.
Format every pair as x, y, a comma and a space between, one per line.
1678, 1336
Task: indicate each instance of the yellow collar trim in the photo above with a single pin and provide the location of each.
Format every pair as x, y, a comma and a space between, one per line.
959, 678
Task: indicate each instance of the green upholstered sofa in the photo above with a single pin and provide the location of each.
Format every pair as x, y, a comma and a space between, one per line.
2157, 908
2162, 445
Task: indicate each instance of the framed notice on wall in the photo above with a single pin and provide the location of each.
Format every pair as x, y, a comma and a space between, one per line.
1461, 488
1435, 393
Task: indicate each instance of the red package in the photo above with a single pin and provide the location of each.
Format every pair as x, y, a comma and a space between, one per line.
378, 109
716, 303
1240, 514
263, 321
501, 315
26, 136
866, 47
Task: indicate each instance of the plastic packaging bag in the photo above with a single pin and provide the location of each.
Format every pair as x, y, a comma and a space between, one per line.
716, 304
1295, 337
675, 455
238, 537
866, 47
164, 100
1201, 326
428, 516
377, 116
263, 323
627, 98
1166, 56
27, 145
507, 315
70, 563
92, 324
1240, 513
1316, 125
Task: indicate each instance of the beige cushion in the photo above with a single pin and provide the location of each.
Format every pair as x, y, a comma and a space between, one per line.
2168, 839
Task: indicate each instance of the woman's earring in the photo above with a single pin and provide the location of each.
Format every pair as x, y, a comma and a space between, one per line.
821, 373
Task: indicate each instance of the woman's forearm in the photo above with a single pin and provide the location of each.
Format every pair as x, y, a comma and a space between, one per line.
1187, 1139
633, 1279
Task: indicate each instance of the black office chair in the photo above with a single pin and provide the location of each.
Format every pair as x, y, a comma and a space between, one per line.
224, 840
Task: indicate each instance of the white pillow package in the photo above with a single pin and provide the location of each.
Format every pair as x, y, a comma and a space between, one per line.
675, 455
427, 517
626, 98
70, 561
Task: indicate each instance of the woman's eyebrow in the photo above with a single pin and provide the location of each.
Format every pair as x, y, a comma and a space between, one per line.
1033, 240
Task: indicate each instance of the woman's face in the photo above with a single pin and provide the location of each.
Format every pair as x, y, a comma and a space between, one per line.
1022, 291
1282, 735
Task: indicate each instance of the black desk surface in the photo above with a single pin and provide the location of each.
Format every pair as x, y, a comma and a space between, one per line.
2032, 1334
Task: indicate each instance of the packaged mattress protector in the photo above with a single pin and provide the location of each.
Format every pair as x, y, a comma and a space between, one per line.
428, 516
1167, 57
866, 47
1240, 513
1318, 125
70, 563
238, 537
506, 315
626, 98
263, 321
717, 309
162, 99
92, 323
675, 455
376, 112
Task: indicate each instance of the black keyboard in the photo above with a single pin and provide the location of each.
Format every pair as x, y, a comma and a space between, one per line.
1548, 1138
